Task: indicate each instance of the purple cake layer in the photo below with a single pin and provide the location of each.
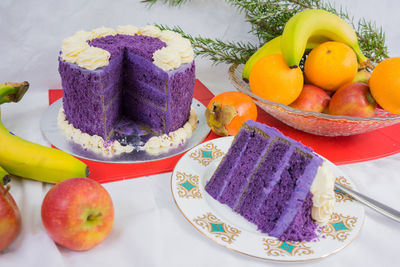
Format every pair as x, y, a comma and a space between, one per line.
278, 200
264, 179
270, 187
302, 227
90, 96
95, 100
248, 161
218, 181
140, 45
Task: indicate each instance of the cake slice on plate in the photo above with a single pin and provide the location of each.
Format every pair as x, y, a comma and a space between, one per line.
274, 182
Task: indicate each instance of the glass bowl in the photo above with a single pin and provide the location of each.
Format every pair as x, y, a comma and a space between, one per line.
314, 122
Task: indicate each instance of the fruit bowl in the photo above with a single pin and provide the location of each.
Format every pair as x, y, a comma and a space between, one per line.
313, 122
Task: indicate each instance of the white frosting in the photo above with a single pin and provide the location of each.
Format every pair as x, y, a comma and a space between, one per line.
184, 48
71, 49
82, 35
155, 145
167, 58
102, 32
93, 143
150, 30
323, 199
161, 144
168, 36
92, 58
128, 30
75, 49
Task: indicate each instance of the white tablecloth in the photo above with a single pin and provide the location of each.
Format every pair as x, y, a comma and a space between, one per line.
149, 230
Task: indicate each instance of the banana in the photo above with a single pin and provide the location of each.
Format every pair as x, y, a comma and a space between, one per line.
12, 92
274, 47
316, 22
29, 160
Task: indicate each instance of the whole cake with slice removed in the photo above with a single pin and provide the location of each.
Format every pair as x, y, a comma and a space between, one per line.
276, 183
143, 75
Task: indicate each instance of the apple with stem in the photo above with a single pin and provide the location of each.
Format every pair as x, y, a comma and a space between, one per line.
78, 213
10, 218
353, 99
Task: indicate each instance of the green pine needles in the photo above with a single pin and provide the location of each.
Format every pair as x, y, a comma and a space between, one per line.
267, 19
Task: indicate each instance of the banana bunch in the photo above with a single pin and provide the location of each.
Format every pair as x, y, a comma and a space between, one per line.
306, 30
29, 160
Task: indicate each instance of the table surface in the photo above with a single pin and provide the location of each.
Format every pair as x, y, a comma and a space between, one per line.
149, 230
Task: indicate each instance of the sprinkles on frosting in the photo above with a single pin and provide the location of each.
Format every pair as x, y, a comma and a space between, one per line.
75, 49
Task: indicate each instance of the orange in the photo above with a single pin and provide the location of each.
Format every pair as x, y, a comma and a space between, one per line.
331, 65
384, 84
227, 112
272, 79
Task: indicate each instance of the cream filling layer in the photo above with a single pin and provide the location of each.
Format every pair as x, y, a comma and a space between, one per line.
178, 50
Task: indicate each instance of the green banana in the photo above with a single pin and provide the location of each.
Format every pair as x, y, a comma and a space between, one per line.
29, 160
4, 176
274, 47
316, 22
12, 92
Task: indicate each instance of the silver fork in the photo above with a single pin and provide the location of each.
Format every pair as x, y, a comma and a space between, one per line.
379, 207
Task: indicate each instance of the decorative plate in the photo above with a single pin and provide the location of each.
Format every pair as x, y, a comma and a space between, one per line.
55, 136
223, 226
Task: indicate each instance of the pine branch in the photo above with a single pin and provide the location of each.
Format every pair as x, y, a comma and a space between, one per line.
268, 19
217, 50
170, 2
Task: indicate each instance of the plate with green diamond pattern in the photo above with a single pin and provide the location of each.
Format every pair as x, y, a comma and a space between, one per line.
227, 228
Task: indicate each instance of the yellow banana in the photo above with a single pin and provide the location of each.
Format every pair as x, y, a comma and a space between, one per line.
26, 159
23, 158
274, 47
316, 22
4, 176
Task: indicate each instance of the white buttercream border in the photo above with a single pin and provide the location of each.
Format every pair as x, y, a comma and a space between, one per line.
154, 146
178, 49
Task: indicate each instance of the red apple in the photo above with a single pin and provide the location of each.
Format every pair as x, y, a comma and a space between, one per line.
78, 213
10, 218
353, 99
311, 98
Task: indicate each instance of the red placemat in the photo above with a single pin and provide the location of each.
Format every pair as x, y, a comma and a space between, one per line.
339, 150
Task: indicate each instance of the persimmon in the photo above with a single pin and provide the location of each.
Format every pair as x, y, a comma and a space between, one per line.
227, 112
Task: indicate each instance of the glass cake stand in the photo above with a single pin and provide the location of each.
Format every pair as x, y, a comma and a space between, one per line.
51, 131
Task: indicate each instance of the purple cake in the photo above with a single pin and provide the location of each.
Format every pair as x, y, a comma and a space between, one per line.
130, 86
266, 178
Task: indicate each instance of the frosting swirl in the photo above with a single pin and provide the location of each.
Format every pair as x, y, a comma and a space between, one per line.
71, 49
184, 48
101, 32
92, 58
323, 199
76, 48
167, 58
128, 30
150, 30
168, 36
